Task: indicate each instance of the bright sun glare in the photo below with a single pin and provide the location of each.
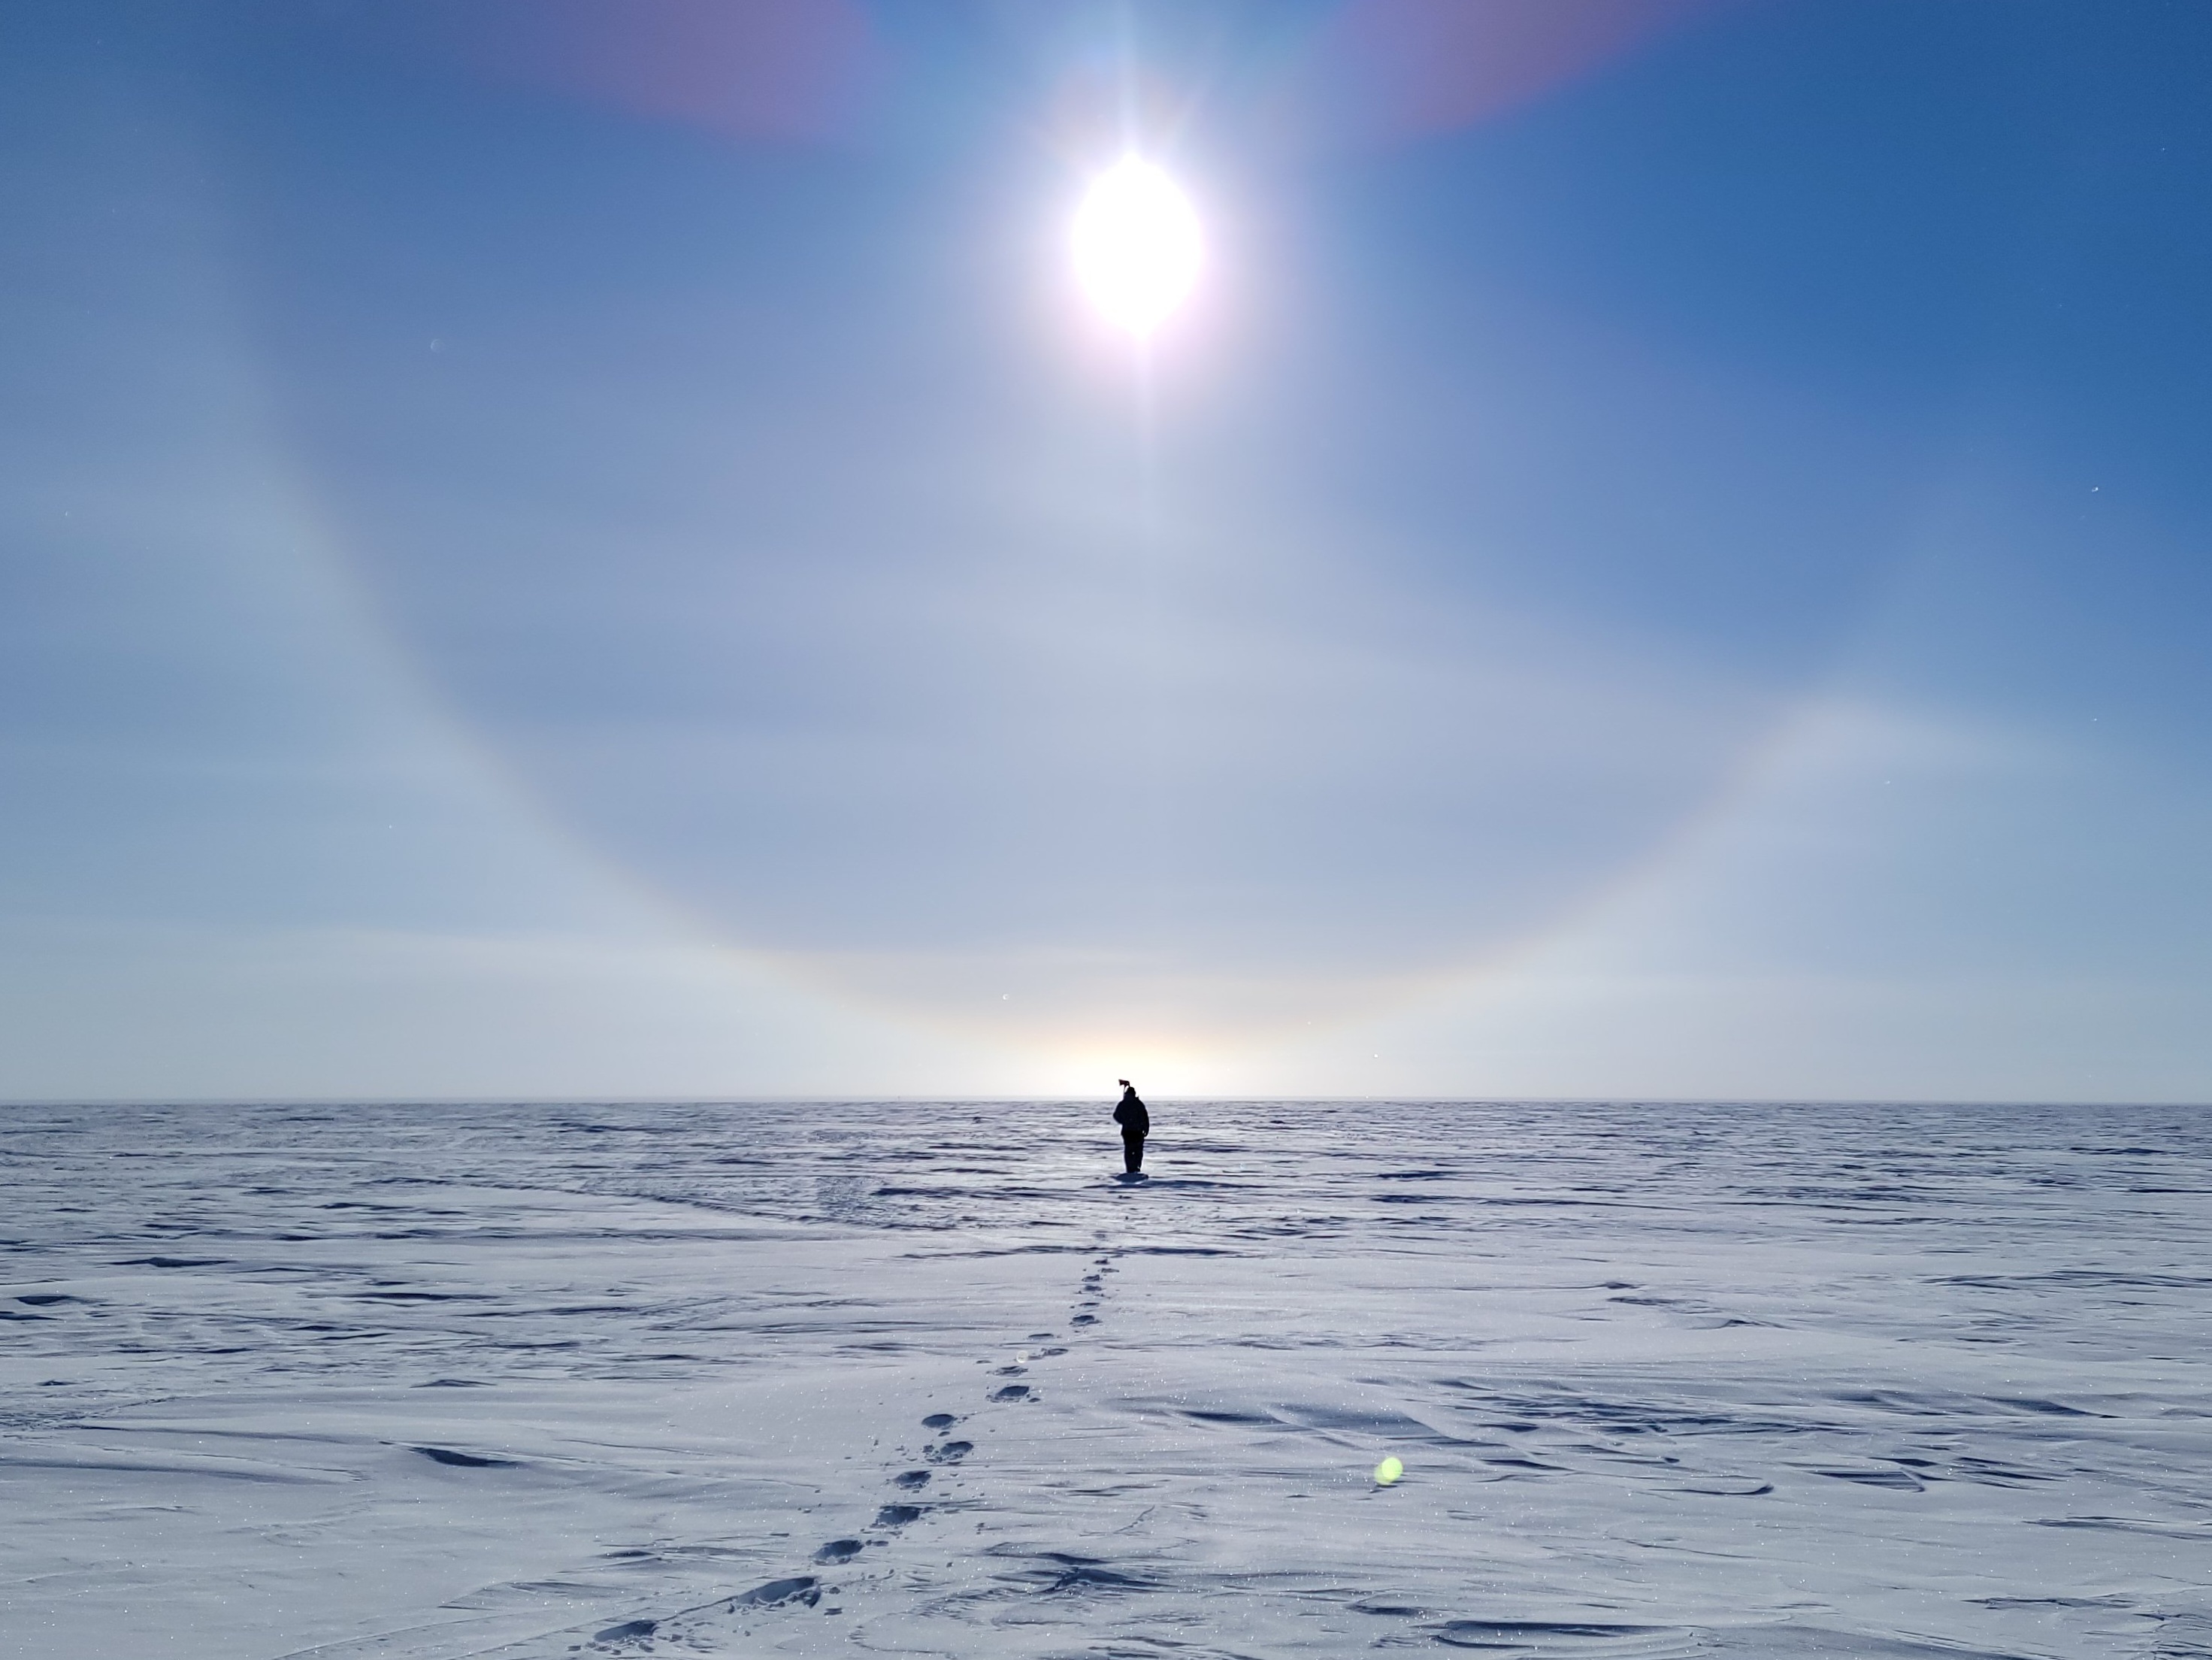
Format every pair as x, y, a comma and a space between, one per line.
1136, 246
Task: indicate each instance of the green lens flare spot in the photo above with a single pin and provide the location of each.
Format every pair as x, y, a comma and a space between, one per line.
1387, 1472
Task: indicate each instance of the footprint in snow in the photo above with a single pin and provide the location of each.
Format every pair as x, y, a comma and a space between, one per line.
464, 1460
801, 1588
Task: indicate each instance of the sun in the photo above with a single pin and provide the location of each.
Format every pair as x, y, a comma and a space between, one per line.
1136, 246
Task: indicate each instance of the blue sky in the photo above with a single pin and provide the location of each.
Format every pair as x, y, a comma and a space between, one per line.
591, 548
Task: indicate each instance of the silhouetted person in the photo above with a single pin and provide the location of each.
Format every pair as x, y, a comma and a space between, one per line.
1136, 1124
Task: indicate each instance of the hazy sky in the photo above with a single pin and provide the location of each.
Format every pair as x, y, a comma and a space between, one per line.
585, 547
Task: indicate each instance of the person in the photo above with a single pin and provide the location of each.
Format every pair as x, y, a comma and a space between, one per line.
1136, 1124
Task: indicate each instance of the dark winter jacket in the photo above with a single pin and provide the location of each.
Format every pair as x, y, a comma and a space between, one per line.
1131, 1116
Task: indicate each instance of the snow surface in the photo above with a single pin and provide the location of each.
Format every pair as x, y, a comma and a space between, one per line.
420, 1382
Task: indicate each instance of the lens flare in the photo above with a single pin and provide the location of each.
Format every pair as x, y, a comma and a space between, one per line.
1136, 246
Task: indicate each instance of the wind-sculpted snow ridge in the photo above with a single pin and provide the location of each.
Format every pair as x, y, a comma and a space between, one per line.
427, 1382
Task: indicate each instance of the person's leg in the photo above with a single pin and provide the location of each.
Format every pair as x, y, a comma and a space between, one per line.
1132, 1153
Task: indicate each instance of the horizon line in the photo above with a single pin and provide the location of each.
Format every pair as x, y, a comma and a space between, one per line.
941, 1099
